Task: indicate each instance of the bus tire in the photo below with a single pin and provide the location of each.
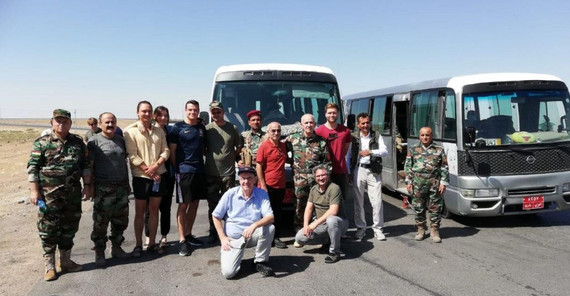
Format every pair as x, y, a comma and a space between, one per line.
445, 213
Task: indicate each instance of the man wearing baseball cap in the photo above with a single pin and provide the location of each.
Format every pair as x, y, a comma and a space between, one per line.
57, 164
223, 145
248, 223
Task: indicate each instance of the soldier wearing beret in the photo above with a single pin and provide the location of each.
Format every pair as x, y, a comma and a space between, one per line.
251, 139
57, 164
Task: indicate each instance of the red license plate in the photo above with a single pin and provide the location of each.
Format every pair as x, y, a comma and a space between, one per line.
533, 202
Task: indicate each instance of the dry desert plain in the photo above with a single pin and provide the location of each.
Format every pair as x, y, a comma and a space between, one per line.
20, 250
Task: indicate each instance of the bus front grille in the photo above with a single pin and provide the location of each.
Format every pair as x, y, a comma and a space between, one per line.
532, 191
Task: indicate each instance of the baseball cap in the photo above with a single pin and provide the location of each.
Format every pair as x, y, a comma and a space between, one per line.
253, 112
61, 113
215, 105
246, 169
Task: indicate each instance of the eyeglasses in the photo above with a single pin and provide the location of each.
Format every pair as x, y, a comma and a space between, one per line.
216, 112
276, 130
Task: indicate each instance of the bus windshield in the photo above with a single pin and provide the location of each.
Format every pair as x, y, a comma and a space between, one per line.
522, 117
281, 101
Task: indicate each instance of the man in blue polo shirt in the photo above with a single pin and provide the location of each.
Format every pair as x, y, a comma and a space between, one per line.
248, 222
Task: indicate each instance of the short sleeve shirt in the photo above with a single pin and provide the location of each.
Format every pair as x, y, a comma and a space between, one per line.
323, 200
240, 213
336, 139
109, 158
222, 143
190, 141
273, 159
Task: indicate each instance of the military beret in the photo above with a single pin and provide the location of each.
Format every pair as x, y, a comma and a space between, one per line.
253, 112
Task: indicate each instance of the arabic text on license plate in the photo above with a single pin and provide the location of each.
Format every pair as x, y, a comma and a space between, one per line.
533, 202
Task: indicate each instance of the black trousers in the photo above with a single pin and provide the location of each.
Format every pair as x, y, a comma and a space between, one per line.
276, 199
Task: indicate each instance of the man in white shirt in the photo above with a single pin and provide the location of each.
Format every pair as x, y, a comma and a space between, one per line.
368, 148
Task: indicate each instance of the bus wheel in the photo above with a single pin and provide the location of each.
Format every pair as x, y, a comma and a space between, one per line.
445, 213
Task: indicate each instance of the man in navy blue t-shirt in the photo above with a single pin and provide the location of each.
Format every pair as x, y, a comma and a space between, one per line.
187, 141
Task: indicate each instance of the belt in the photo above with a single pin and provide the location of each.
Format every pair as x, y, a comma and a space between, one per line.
365, 165
125, 182
427, 175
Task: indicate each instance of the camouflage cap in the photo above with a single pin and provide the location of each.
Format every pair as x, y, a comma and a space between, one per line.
61, 113
216, 105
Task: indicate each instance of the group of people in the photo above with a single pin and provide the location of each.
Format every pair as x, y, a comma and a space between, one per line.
199, 161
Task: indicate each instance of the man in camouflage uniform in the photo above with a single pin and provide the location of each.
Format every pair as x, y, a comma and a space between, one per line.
426, 178
57, 163
309, 150
251, 139
108, 156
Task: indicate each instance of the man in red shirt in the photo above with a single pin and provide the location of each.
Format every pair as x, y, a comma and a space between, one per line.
270, 167
338, 140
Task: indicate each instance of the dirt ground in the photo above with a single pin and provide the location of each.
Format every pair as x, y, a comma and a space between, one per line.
20, 250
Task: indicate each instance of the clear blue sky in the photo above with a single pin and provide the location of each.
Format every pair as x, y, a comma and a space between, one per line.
92, 56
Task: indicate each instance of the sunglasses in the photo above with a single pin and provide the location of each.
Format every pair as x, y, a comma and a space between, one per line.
276, 130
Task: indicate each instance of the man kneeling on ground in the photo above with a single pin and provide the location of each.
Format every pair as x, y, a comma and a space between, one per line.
248, 223
324, 220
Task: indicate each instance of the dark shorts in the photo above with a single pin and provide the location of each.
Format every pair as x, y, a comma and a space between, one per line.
142, 188
190, 187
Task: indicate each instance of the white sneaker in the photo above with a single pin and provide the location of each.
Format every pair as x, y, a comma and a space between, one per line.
379, 235
297, 244
360, 233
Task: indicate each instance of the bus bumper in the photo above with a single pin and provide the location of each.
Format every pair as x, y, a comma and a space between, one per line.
517, 196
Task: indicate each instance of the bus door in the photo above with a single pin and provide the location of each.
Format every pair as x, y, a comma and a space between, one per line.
400, 140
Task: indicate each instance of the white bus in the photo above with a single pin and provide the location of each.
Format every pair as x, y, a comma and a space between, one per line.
282, 92
505, 134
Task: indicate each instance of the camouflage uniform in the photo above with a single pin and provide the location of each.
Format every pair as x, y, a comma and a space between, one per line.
425, 169
251, 142
307, 154
111, 204
57, 167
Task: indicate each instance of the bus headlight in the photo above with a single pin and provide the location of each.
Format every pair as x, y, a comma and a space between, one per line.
468, 193
486, 192
566, 187
471, 193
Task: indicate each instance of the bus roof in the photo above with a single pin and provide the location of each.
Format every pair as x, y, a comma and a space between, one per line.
276, 67
456, 83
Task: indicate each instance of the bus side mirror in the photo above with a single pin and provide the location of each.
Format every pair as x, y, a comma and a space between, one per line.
469, 135
351, 121
205, 116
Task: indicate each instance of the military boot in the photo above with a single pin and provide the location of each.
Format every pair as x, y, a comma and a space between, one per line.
421, 231
65, 262
50, 274
434, 233
118, 252
100, 257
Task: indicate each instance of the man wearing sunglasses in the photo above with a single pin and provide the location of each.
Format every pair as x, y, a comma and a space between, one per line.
271, 158
223, 146
93, 129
